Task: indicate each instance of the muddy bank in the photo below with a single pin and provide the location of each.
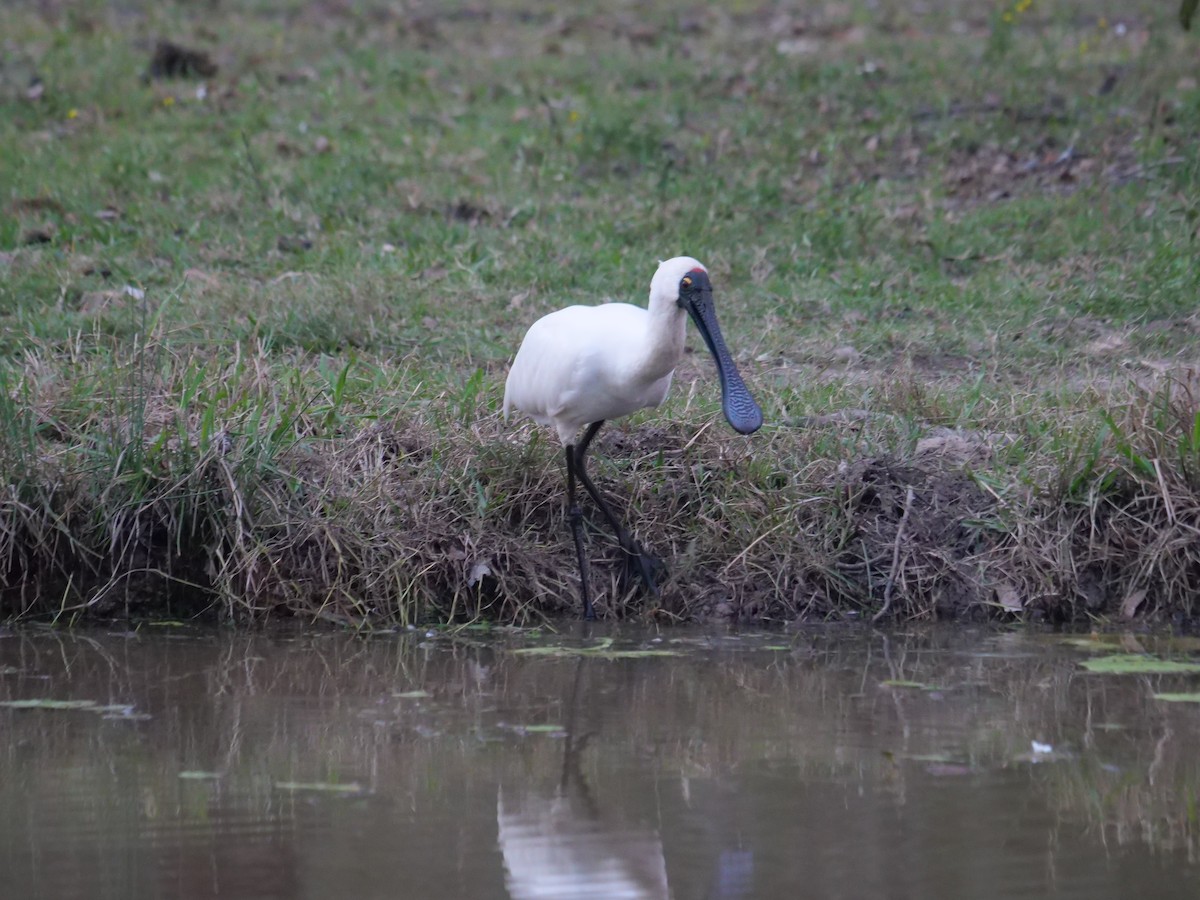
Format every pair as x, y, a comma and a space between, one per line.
402, 524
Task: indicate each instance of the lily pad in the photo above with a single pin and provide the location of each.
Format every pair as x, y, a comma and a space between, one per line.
115, 710
914, 685
1179, 698
558, 650
350, 787
196, 775
601, 650
1136, 664
108, 711
1094, 644
50, 704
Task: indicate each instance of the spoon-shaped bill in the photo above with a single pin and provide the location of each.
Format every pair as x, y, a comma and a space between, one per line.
740, 409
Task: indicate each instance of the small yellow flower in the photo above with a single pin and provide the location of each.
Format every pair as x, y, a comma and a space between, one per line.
573, 116
72, 113
1103, 24
168, 101
1007, 17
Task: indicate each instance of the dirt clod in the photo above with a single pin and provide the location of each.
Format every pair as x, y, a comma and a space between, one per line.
172, 60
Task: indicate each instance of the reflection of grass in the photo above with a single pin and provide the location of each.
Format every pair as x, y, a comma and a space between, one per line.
254, 336
1151, 800
440, 723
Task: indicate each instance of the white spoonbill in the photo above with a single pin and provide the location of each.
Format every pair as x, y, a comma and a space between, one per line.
583, 365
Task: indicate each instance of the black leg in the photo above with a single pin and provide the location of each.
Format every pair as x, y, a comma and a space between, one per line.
575, 515
638, 563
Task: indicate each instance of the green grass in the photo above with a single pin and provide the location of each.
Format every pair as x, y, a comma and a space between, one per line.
254, 328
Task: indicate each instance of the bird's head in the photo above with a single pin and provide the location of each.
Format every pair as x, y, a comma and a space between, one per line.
675, 279
683, 282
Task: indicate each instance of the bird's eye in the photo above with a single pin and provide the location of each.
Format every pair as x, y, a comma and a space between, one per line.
687, 281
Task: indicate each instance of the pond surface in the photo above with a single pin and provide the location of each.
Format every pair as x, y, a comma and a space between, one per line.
821, 764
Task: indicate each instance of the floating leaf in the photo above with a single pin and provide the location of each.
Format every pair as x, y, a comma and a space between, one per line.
541, 729
196, 775
350, 787
602, 644
120, 711
109, 711
569, 653
1136, 664
1178, 698
412, 695
49, 704
1097, 643
600, 650
915, 685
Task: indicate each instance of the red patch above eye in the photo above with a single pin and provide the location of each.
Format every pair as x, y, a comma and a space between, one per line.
699, 269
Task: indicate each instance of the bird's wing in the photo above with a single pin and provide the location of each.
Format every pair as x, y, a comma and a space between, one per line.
570, 360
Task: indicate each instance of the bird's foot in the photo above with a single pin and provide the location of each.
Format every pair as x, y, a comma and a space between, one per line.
641, 566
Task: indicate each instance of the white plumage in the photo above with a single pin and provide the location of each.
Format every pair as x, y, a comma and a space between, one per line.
586, 364
583, 365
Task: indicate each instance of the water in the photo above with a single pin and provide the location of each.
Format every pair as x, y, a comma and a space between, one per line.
318, 765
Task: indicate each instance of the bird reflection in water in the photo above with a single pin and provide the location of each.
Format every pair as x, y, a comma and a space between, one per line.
560, 842
562, 845
553, 847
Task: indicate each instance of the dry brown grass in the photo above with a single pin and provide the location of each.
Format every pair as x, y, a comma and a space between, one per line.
428, 516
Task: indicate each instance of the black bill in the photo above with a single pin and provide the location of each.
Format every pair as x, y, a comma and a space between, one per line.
740, 409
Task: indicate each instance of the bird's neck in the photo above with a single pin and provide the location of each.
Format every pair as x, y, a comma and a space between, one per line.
663, 343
